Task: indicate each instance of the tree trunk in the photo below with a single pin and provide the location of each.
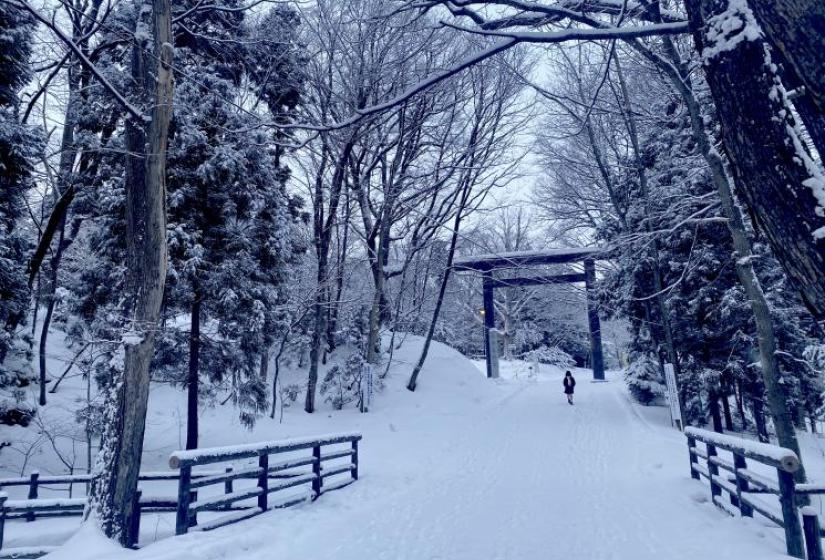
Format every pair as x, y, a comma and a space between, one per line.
715, 413
335, 305
62, 186
811, 113
727, 412
118, 464
780, 184
794, 27
740, 406
441, 290
316, 346
47, 321
192, 379
759, 419
378, 297
791, 27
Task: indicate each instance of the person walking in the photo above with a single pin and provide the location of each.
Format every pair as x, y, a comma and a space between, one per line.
569, 386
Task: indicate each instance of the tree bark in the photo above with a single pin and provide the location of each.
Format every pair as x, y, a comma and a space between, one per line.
759, 420
335, 304
740, 405
726, 410
794, 27
192, 379
379, 300
118, 465
715, 412
774, 173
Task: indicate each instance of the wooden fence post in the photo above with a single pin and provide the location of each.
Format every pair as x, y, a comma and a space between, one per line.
227, 485
184, 497
693, 458
813, 540
263, 481
355, 459
742, 485
713, 471
3, 498
193, 517
790, 515
33, 484
316, 470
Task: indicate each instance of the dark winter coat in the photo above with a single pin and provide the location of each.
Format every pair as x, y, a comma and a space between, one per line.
569, 384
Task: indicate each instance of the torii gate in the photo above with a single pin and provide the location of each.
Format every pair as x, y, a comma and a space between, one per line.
488, 264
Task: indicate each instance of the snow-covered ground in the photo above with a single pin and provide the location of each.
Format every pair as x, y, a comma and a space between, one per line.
464, 468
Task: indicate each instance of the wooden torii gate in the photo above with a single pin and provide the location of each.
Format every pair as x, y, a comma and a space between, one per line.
488, 264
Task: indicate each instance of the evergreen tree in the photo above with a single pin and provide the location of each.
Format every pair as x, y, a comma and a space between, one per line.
19, 145
231, 223
232, 227
712, 323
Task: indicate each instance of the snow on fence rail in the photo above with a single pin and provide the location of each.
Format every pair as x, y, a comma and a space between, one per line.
231, 501
188, 504
751, 491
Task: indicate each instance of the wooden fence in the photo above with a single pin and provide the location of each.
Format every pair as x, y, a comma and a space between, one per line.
747, 488
188, 504
340, 458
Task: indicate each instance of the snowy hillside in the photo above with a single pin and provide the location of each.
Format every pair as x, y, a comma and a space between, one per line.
462, 468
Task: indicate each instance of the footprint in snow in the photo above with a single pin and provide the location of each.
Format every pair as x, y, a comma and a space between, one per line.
699, 498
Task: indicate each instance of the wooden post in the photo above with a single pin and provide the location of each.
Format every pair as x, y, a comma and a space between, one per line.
33, 484
713, 471
3, 498
489, 317
263, 481
184, 497
693, 458
228, 486
790, 515
355, 459
316, 470
193, 516
593, 321
734, 497
134, 532
742, 485
813, 540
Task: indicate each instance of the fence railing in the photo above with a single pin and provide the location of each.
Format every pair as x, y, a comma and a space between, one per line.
320, 469
331, 457
746, 487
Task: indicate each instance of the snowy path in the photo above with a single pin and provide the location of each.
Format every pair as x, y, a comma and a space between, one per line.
506, 471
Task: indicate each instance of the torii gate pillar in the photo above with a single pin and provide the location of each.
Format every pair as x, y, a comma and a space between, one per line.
596, 356
489, 323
